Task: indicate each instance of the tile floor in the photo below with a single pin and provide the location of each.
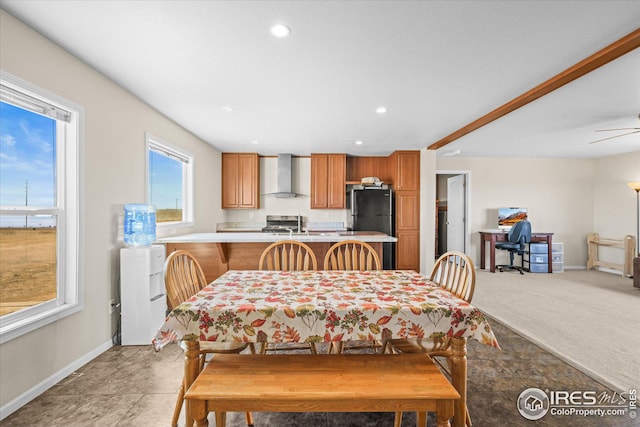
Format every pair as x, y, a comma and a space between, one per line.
134, 386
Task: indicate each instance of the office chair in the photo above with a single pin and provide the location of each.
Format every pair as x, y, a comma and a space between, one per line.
517, 239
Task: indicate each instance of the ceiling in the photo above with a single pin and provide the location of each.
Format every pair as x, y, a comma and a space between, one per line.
435, 65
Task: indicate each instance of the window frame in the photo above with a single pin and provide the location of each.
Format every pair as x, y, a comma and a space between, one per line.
67, 209
158, 145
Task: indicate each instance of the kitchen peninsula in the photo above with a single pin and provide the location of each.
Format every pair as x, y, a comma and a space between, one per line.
219, 252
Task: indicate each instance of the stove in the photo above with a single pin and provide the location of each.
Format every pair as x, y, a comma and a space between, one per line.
283, 224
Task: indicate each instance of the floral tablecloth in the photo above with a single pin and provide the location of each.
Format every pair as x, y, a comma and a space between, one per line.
323, 306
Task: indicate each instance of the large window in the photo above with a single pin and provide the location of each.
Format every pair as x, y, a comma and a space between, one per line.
169, 182
39, 207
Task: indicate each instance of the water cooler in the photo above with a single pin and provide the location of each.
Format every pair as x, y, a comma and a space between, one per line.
142, 293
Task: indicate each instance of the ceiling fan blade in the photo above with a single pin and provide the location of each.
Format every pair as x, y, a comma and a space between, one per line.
616, 136
609, 130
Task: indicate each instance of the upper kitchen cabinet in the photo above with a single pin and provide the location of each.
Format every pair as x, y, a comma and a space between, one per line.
240, 181
328, 180
359, 167
405, 167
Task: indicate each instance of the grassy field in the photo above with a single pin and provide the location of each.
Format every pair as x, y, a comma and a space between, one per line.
27, 267
167, 215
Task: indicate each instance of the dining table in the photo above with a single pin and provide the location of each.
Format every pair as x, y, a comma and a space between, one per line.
255, 306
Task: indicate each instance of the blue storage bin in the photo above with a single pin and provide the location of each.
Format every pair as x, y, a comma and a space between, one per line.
538, 248
538, 268
538, 258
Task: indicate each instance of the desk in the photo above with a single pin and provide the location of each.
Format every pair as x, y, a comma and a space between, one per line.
493, 236
324, 306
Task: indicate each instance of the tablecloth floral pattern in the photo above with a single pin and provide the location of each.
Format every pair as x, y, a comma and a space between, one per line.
323, 306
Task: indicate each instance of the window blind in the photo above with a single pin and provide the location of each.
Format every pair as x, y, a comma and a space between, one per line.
22, 100
165, 151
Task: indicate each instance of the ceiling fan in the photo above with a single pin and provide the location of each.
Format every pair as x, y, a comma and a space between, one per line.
629, 132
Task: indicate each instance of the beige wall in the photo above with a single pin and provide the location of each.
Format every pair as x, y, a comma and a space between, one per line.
615, 205
114, 174
557, 193
569, 197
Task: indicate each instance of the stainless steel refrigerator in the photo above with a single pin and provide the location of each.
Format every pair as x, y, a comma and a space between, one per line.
371, 209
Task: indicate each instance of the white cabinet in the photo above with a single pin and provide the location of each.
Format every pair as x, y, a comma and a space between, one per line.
142, 293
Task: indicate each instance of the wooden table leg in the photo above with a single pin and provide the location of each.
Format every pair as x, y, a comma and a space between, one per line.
191, 371
482, 250
549, 254
197, 409
444, 411
492, 254
459, 379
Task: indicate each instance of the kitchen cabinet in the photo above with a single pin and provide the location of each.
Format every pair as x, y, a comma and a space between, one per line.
328, 180
359, 167
408, 250
240, 181
405, 171
407, 210
406, 168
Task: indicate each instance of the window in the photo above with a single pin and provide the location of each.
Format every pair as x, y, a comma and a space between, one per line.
39, 207
169, 182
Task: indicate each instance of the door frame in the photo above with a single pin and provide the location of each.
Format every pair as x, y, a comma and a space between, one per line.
467, 202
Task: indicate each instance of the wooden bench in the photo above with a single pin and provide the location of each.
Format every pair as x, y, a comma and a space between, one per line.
320, 383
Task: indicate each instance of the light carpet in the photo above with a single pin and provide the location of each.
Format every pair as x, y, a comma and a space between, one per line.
590, 319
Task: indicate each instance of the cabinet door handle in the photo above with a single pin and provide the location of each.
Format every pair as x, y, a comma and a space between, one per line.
157, 297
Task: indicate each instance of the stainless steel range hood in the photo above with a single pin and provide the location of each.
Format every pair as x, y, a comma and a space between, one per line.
285, 175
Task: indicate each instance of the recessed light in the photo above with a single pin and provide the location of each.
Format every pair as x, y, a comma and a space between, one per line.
358, 142
280, 30
255, 142
227, 109
381, 110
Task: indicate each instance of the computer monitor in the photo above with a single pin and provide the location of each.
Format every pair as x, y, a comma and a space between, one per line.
507, 217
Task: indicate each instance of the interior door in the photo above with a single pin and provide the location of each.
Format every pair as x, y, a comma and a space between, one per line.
455, 213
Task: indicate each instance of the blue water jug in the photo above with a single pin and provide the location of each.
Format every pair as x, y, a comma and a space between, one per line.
139, 224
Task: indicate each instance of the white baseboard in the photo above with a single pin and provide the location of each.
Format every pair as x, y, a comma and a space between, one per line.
46, 384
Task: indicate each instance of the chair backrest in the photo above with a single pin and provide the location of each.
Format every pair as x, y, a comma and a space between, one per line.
288, 255
454, 271
520, 232
351, 255
183, 277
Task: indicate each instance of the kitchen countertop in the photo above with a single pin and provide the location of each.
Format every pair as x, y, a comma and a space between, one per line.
247, 237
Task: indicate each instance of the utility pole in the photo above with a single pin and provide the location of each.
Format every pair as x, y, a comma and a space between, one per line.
26, 200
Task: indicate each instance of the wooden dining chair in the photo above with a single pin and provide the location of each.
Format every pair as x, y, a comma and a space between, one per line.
288, 255
183, 278
352, 255
455, 272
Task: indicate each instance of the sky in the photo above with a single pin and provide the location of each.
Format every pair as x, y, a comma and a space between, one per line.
27, 167
166, 181
27, 162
